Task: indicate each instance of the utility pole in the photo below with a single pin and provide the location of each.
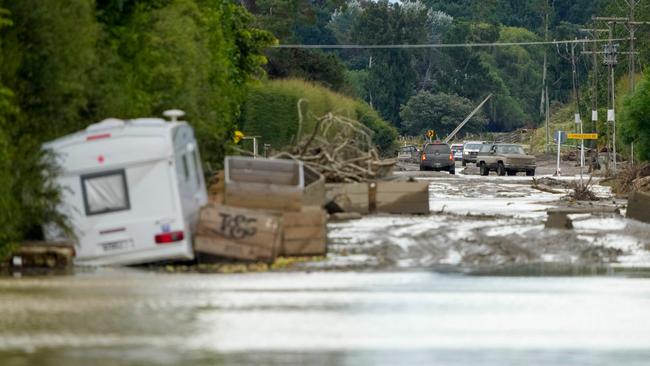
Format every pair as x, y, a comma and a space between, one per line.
576, 96
545, 98
631, 28
610, 53
593, 32
610, 60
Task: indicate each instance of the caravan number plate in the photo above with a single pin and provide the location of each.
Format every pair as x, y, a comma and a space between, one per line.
117, 245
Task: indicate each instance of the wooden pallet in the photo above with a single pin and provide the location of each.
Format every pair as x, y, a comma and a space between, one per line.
238, 233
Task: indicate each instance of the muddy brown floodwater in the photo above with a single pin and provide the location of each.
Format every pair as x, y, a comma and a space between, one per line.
126, 317
493, 225
478, 281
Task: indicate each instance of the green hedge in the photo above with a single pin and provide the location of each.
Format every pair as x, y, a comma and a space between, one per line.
271, 111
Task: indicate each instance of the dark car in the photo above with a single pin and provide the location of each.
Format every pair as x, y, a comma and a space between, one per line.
437, 156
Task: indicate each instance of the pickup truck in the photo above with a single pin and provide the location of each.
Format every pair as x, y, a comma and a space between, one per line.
505, 159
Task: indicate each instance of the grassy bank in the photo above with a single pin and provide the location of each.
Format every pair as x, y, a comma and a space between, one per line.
271, 111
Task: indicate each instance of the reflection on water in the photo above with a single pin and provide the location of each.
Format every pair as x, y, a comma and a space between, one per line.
128, 317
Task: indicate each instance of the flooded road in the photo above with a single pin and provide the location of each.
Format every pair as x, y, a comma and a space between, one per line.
130, 317
485, 223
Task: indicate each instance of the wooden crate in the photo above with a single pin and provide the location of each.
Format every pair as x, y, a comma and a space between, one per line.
217, 188
384, 197
403, 197
41, 254
264, 197
314, 191
231, 249
304, 232
638, 206
350, 197
272, 184
238, 232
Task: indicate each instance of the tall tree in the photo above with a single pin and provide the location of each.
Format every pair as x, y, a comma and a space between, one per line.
48, 55
635, 119
392, 78
196, 55
28, 199
8, 203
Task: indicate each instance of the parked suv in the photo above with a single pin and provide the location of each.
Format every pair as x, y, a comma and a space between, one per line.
437, 156
470, 151
505, 159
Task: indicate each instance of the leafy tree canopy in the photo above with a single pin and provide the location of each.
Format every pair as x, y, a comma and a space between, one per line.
440, 112
636, 118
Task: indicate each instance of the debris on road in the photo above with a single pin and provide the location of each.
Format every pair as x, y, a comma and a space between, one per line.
345, 216
271, 184
642, 184
397, 197
550, 185
341, 149
633, 177
304, 233
400, 198
40, 257
271, 208
238, 233
558, 218
638, 206
347, 197
582, 191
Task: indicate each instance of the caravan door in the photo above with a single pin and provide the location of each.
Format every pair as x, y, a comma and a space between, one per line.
191, 184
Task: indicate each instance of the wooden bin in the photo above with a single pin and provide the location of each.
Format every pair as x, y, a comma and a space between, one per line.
350, 197
272, 184
238, 233
304, 233
382, 197
402, 197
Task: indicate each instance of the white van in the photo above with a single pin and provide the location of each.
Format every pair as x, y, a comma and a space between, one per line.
132, 190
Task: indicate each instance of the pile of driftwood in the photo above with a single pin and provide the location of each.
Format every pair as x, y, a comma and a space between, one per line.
339, 148
634, 177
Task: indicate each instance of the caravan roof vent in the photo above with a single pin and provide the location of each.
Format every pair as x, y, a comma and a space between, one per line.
106, 124
173, 114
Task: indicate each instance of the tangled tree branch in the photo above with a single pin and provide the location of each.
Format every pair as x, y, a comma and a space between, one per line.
338, 147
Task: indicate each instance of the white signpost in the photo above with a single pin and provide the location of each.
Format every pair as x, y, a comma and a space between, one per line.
559, 147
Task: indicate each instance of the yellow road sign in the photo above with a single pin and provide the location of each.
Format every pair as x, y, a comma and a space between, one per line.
238, 135
431, 133
582, 136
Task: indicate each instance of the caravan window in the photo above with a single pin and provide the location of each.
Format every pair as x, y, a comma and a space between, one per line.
196, 168
105, 192
186, 169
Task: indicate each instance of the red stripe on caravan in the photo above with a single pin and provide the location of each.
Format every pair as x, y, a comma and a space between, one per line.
97, 137
110, 231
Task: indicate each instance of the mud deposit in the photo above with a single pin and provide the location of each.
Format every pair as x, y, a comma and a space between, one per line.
488, 224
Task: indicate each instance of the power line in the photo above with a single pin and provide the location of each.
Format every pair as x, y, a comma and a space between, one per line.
444, 45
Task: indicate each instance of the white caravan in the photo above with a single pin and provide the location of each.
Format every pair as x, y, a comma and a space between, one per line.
132, 190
